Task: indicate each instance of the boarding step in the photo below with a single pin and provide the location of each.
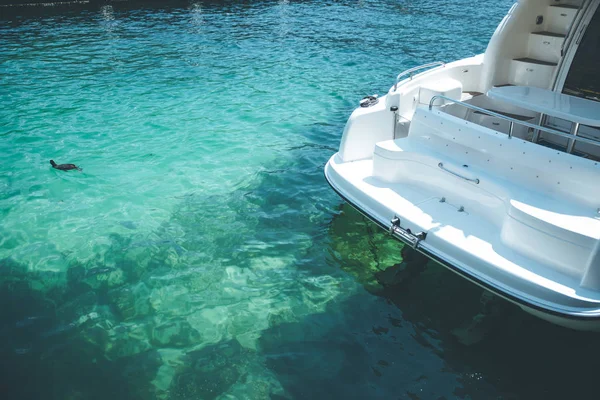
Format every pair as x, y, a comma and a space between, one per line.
570, 230
529, 60
528, 71
550, 34
545, 46
559, 17
569, 233
571, 6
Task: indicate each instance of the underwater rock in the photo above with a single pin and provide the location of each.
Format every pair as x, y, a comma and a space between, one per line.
162, 381
71, 326
131, 302
170, 300
257, 385
215, 369
281, 316
135, 262
104, 276
11, 268
138, 371
78, 306
127, 339
87, 324
362, 248
412, 265
191, 385
173, 362
211, 323
76, 273
97, 336
178, 333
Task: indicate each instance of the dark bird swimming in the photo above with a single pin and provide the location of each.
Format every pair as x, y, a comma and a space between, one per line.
64, 167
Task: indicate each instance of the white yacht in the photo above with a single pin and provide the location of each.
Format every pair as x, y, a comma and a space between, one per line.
490, 165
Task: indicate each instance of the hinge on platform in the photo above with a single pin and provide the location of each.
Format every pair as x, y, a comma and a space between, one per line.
412, 239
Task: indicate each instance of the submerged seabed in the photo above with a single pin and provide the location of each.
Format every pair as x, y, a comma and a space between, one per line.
200, 253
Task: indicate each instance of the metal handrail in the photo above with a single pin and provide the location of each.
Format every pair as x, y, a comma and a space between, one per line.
570, 35
475, 180
567, 41
513, 121
410, 71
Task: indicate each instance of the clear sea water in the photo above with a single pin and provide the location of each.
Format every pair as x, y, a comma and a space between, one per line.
200, 253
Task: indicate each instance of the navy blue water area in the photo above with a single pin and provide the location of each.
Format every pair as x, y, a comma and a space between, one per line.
200, 254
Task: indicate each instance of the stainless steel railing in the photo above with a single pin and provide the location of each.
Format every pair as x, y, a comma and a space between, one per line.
474, 180
570, 34
412, 70
515, 121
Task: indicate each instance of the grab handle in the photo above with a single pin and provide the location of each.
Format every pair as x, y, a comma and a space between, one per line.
412, 71
476, 180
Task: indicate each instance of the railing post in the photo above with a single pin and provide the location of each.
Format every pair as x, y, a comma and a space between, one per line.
394, 109
536, 132
574, 131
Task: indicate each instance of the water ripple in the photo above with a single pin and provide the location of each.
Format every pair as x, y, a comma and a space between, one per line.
200, 252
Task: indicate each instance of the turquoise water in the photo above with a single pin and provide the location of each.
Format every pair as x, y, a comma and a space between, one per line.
200, 253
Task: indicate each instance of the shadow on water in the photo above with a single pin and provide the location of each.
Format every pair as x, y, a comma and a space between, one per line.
487, 341
42, 351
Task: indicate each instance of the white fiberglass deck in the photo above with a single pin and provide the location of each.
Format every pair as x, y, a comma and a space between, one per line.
498, 209
460, 238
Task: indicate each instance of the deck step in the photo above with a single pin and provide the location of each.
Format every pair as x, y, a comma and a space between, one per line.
545, 46
528, 71
550, 34
569, 6
559, 17
535, 61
